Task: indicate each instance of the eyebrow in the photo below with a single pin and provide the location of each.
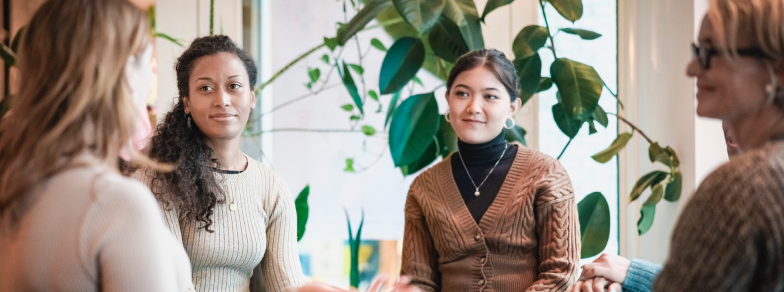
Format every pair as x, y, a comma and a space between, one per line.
485, 89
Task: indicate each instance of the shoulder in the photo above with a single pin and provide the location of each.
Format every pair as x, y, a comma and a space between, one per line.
128, 196
433, 176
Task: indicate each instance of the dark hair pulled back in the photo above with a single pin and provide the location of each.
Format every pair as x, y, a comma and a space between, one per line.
494, 61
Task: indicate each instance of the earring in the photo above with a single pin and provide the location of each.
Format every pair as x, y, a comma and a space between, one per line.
513, 123
188, 117
446, 117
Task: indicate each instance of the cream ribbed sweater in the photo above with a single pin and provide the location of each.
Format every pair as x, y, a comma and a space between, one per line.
261, 231
528, 240
89, 229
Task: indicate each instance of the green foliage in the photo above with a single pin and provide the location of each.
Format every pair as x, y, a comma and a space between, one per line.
572, 10
353, 243
392, 107
331, 43
412, 128
349, 165
607, 154
325, 58
314, 74
650, 179
303, 211
359, 21
648, 209
582, 33
421, 14
8, 56
594, 214
568, 125
530, 39
674, 187
347, 107
515, 134
493, 5
447, 138
168, 38
579, 85
447, 41
401, 63
529, 73
430, 155
545, 83
348, 82
378, 45
368, 130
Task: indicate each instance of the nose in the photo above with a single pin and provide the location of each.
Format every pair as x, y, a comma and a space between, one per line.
475, 105
223, 100
693, 68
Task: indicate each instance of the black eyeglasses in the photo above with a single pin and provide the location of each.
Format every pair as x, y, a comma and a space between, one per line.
704, 55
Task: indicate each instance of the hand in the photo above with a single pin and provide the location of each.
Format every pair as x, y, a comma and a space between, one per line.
403, 285
613, 268
597, 284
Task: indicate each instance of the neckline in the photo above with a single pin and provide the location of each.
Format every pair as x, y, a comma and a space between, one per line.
482, 153
455, 201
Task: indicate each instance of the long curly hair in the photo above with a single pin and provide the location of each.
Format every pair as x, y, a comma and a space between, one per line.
192, 188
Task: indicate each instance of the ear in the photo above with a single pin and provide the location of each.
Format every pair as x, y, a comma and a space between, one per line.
187, 103
252, 99
515, 106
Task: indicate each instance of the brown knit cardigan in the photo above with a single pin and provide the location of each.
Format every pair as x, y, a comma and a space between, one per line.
528, 240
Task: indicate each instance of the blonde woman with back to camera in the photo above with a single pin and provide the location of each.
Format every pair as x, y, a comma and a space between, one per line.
68, 220
730, 235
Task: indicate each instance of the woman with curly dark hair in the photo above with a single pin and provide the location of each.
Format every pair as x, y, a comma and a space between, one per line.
233, 215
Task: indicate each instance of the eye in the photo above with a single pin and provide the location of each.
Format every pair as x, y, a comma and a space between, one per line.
491, 97
461, 93
235, 86
205, 88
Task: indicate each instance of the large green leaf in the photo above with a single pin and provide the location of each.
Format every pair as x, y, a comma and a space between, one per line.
398, 28
607, 154
401, 63
421, 14
493, 5
363, 17
648, 209
447, 138
303, 211
579, 85
348, 82
392, 107
568, 125
430, 155
447, 41
674, 187
464, 14
169, 38
572, 10
412, 128
354, 250
652, 178
515, 134
582, 33
529, 40
600, 116
545, 83
594, 214
529, 75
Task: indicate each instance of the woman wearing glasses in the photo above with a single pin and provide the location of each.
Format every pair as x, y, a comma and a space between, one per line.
730, 236
494, 216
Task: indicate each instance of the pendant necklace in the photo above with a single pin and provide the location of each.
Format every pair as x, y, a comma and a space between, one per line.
488, 174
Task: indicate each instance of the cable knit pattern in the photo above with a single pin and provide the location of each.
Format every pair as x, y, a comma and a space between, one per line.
730, 236
261, 232
528, 240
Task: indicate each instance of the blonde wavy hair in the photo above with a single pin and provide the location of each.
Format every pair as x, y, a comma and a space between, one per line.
72, 99
762, 19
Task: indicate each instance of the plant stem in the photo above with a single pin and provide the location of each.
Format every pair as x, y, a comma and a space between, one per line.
564, 149
289, 65
361, 76
613, 94
634, 128
550, 35
212, 16
378, 158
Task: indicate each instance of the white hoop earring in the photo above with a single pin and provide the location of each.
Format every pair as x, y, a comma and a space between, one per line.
446, 117
513, 123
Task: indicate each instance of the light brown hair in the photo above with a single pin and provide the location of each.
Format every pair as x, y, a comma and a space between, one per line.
762, 19
71, 100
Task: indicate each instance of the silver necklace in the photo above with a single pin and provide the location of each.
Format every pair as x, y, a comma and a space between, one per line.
488, 174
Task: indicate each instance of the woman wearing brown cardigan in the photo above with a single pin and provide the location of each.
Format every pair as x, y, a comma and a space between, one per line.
494, 216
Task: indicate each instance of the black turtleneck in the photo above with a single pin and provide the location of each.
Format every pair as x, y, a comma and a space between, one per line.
479, 159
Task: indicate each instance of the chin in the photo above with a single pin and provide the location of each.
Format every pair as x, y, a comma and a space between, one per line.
475, 138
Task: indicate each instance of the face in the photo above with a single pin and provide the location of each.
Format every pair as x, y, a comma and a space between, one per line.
729, 91
138, 76
221, 96
479, 105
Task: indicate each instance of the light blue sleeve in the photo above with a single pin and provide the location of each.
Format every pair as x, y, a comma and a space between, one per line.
640, 276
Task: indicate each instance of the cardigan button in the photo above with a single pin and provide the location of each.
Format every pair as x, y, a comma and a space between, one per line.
478, 237
481, 282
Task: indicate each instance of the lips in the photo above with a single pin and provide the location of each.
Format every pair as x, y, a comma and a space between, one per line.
473, 121
223, 116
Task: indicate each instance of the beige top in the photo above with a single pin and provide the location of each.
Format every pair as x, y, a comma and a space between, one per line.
262, 230
89, 229
528, 240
